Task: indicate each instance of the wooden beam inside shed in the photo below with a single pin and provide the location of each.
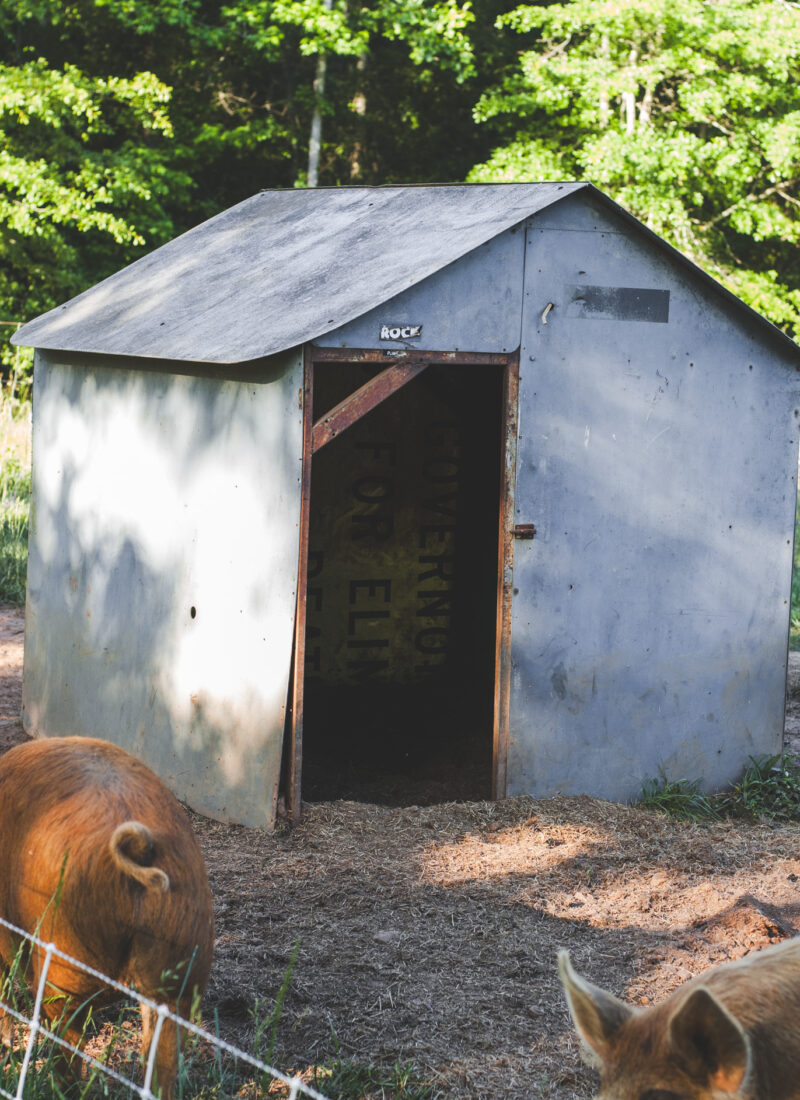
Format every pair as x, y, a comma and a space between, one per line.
366, 398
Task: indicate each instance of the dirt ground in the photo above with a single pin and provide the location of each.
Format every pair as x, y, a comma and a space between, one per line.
429, 934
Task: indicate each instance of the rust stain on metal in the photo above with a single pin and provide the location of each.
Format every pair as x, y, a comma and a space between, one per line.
505, 574
364, 400
524, 531
377, 356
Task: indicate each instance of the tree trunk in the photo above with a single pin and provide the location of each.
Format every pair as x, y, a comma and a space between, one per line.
315, 138
359, 106
605, 53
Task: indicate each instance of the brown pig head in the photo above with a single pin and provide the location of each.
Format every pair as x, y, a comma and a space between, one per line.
689, 1047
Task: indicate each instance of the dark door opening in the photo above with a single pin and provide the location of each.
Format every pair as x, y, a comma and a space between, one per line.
402, 589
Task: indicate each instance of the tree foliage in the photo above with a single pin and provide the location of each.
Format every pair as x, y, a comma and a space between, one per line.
125, 122
75, 167
687, 113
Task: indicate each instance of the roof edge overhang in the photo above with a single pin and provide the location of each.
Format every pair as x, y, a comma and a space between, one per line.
286, 311
290, 263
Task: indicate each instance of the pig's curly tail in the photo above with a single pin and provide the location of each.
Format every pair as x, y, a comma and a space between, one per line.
133, 850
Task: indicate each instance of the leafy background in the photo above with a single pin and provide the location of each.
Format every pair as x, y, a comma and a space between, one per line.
125, 122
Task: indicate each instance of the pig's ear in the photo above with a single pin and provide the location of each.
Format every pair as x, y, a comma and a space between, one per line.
597, 1015
710, 1041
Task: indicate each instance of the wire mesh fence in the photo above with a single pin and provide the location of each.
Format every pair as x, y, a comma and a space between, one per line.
208, 1065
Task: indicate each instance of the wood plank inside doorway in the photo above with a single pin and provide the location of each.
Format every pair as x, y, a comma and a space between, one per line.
364, 400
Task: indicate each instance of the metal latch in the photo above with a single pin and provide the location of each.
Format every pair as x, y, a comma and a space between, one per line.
524, 531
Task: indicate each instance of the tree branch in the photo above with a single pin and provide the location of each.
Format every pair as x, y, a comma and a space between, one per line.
777, 189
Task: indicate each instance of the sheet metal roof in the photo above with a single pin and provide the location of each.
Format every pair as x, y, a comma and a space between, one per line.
285, 267
282, 268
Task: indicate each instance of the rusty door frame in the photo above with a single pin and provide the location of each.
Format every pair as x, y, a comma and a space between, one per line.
400, 367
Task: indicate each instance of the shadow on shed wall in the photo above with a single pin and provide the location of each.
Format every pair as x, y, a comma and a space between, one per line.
162, 572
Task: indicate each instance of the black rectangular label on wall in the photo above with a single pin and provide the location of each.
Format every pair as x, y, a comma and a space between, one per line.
617, 303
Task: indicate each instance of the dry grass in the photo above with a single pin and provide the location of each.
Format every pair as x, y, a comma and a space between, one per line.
429, 934
15, 406
15, 434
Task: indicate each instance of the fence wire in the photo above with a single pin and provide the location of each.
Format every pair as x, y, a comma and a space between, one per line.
38, 1029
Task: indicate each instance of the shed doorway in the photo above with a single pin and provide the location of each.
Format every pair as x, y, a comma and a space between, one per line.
406, 532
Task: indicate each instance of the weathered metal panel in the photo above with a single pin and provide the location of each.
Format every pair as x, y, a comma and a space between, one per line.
505, 579
471, 305
284, 267
162, 570
657, 460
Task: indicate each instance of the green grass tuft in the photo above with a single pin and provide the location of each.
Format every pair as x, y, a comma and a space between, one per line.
15, 491
205, 1072
679, 798
769, 788
345, 1079
15, 486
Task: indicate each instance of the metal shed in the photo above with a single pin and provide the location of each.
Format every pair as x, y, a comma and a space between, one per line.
485, 489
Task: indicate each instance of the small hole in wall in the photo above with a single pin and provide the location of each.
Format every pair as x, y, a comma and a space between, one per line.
193, 612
